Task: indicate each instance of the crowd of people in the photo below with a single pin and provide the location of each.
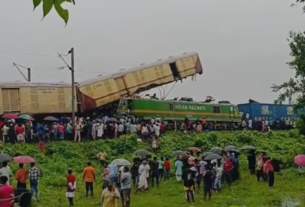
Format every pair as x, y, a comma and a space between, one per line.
143, 173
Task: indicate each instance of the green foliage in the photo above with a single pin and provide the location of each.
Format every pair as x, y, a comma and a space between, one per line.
60, 156
293, 90
47, 6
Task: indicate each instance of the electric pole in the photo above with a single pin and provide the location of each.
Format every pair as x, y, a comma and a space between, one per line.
71, 68
28, 78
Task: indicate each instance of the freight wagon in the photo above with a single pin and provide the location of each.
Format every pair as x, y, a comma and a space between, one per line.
178, 110
263, 110
104, 90
37, 98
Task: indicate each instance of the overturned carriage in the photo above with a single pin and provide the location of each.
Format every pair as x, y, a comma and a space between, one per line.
104, 90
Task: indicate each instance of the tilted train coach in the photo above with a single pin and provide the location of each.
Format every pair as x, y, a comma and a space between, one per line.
44, 98
108, 89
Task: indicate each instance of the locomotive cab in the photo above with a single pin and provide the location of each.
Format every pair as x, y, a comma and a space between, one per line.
125, 105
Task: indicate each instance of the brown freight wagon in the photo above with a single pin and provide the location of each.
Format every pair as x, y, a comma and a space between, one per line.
36, 98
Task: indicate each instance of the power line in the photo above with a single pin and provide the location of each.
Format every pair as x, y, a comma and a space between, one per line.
46, 56
57, 69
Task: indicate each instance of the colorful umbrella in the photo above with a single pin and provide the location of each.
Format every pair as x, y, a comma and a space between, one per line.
26, 117
10, 116
194, 149
299, 160
24, 159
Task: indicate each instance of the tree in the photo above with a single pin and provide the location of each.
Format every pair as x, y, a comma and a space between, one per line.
47, 6
294, 89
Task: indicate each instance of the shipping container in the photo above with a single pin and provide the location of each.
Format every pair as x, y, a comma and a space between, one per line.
37, 98
265, 110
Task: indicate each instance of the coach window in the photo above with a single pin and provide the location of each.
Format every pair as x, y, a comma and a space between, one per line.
171, 106
216, 109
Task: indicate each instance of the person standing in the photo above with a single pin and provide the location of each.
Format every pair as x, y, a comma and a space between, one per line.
188, 177
20, 132
178, 169
155, 172
110, 196
208, 178
71, 186
21, 177
5, 170
6, 193
270, 172
78, 128
89, 177
105, 176
126, 187
167, 167
34, 174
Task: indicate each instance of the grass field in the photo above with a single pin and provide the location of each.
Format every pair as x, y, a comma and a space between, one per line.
247, 192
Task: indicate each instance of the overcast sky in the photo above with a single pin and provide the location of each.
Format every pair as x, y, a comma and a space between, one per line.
242, 44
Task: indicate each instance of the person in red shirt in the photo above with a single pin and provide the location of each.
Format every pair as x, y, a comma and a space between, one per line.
20, 132
227, 168
61, 130
6, 193
268, 168
167, 167
71, 185
162, 128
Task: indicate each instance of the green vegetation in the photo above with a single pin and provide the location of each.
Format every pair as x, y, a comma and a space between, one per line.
62, 155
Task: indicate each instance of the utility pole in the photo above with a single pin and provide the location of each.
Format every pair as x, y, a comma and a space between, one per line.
71, 68
28, 78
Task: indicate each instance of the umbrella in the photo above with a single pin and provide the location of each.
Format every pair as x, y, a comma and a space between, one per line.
217, 150
113, 119
123, 113
10, 116
26, 117
179, 153
211, 156
50, 118
121, 162
24, 159
299, 160
194, 149
142, 152
4, 157
248, 148
230, 147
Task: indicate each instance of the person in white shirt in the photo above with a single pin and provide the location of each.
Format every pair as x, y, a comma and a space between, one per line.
217, 182
156, 128
5, 170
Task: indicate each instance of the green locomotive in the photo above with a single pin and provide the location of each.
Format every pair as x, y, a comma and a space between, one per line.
174, 110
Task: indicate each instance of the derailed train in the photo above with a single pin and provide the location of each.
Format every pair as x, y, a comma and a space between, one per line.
51, 98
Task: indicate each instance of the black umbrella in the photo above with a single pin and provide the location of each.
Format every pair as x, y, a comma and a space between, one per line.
5, 157
142, 152
230, 147
248, 148
179, 153
217, 150
211, 156
50, 118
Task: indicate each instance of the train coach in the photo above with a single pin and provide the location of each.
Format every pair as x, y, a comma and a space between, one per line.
267, 111
36, 98
104, 90
173, 110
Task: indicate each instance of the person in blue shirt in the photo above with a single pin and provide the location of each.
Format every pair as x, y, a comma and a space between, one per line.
112, 173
